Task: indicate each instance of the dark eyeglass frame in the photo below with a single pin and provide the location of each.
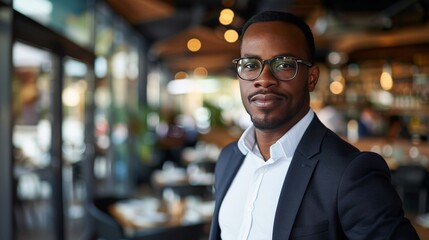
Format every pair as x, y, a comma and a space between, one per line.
269, 62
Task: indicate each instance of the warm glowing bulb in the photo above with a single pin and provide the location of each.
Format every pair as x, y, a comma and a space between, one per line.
226, 16
181, 75
200, 72
71, 97
336, 87
386, 81
231, 36
194, 44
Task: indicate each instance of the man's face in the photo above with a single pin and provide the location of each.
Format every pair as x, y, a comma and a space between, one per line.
271, 103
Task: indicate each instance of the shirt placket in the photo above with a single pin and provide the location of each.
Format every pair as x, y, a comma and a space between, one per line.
249, 215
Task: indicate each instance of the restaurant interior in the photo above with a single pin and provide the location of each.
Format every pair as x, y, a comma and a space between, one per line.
113, 113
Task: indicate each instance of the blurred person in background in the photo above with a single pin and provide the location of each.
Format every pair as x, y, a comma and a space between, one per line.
288, 176
332, 118
172, 139
396, 129
371, 123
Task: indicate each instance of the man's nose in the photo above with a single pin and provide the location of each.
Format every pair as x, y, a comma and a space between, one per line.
266, 78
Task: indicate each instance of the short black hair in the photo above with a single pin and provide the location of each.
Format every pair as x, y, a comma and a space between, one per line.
268, 16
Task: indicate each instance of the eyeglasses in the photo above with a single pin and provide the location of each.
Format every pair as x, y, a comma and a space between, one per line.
283, 68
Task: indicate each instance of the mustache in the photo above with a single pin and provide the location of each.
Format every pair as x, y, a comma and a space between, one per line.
264, 91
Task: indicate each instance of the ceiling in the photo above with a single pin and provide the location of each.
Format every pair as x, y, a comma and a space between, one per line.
348, 26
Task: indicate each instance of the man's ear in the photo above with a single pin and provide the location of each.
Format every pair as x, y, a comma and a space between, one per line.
313, 77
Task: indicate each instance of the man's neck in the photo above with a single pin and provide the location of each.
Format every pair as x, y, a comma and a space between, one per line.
265, 138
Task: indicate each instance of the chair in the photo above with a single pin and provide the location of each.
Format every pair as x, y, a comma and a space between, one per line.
105, 226
412, 180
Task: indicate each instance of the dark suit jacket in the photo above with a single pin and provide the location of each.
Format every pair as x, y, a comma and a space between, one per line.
331, 191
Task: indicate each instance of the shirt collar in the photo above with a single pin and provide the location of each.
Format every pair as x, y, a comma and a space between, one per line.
247, 140
286, 145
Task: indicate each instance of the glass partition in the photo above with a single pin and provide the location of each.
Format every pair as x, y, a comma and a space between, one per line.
74, 99
102, 98
71, 18
119, 119
33, 75
31, 139
120, 132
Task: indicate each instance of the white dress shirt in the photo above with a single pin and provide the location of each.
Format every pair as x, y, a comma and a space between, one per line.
248, 208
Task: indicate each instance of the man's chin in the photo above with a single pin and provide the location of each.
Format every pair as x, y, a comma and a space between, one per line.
264, 124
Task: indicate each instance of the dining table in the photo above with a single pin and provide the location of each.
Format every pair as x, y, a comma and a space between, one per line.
144, 213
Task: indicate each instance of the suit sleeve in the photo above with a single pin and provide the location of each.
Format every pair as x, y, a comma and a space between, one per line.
368, 204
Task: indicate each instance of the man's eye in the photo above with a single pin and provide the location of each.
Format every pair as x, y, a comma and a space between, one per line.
250, 66
284, 66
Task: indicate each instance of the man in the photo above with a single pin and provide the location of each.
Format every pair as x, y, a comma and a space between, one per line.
288, 176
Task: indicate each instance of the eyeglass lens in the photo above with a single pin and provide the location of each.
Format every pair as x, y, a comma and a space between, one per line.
282, 68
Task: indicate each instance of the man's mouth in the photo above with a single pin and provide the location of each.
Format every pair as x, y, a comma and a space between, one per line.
265, 100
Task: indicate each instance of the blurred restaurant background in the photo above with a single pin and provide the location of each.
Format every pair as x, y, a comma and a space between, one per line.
112, 113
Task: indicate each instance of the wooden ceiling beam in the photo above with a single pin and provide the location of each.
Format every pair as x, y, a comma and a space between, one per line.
139, 11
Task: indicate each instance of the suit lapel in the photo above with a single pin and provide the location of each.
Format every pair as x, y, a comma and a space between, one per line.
236, 159
228, 169
297, 179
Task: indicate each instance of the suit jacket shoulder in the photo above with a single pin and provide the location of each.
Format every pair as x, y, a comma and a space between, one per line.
331, 184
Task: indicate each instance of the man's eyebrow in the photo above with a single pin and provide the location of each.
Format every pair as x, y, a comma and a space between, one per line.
250, 56
278, 55
286, 55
